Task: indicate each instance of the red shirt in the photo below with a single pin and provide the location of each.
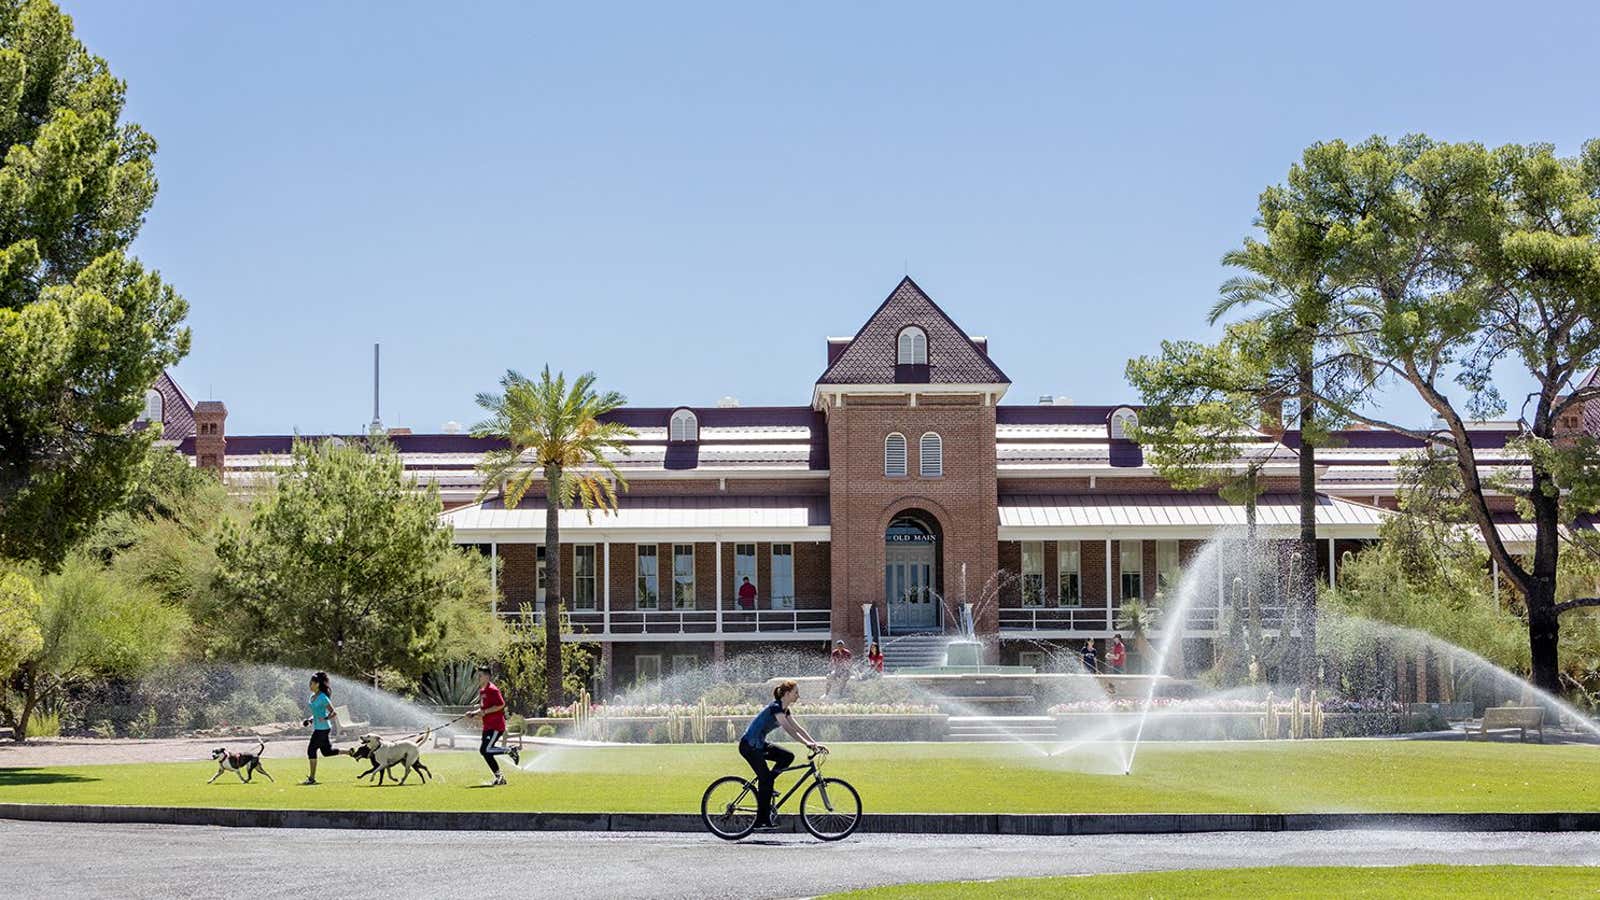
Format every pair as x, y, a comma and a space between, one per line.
877, 661
747, 595
1118, 655
488, 696
841, 658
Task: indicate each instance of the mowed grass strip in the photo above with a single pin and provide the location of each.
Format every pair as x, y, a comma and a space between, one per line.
1261, 777
1319, 882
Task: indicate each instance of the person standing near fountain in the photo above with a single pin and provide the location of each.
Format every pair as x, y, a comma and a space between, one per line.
838, 670
875, 658
491, 712
1088, 657
757, 752
1117, 656
321, 720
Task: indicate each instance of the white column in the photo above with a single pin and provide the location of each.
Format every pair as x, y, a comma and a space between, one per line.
605, 616
866, 627
1110, 614
1333, 564
719, 585
494, 576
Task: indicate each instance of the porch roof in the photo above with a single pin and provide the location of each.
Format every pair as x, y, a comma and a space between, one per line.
1103, 513
807, 516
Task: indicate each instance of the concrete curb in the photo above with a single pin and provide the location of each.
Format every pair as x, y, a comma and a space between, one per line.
884, 823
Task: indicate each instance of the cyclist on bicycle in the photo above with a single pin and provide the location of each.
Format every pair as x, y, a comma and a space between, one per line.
757, 752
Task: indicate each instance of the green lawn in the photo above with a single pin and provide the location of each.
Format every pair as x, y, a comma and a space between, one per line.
1301, 776
1404, 882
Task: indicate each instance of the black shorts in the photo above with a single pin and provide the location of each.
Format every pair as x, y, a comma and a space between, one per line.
320, 740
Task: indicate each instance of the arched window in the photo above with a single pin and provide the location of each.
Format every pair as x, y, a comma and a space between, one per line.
152, 406
894, 454
930, 456
685, 427
1121, 420
913, 347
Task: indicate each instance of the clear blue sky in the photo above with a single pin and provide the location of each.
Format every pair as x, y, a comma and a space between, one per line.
687, 198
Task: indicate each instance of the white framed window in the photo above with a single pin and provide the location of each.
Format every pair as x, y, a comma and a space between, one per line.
683, 576
539, 555
153, 405
782, 576
583, 576
649, 580
1121, 420
894, 455
1167, 569
1033, 573
685, 426
684, 662
646, 668
913, 350
1131, 556
1069, 573
930, 455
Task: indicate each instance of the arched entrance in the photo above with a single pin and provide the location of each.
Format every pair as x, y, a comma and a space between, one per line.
911, 573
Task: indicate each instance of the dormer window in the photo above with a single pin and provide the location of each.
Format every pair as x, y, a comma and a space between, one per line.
153, 402
1123, 420
913, 347
685, 426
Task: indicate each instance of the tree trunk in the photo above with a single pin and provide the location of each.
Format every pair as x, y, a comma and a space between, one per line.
1306, 571
1544, 624
552, 591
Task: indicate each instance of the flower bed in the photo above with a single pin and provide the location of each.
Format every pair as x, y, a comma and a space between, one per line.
744, 709
1242, 718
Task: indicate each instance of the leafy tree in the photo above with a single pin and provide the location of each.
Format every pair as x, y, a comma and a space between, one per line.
523, 673
19, 626
86, 328
554, 434
1447, 260
92, 624
343, 565
1198, 429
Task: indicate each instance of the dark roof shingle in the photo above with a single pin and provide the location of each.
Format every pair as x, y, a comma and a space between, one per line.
953, 357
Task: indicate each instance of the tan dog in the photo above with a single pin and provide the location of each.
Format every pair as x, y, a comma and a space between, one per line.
385, 755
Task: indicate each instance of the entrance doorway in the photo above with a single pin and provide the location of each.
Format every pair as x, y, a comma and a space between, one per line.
910, 575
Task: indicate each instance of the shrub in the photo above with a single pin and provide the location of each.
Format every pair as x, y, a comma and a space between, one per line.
545, 730
45, 724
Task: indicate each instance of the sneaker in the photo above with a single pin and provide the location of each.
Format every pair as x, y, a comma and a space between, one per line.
516, 756
499, 780
308, 781
770, 824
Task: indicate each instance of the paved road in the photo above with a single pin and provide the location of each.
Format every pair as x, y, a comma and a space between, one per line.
80, 861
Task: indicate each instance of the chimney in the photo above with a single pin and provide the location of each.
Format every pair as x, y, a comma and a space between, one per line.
211, 436
1272, 417
452, 427
729, 402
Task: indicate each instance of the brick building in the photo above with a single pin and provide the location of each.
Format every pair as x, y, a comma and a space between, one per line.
903, 488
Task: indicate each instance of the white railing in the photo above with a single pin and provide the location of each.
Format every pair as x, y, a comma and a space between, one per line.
1053, 618
693, 621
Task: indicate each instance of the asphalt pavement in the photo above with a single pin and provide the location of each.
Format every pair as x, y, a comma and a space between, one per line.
83, 861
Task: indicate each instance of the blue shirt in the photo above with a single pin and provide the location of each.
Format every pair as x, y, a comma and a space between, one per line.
765, 721
321, 708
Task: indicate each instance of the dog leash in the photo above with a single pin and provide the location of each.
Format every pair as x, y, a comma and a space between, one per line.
432, 728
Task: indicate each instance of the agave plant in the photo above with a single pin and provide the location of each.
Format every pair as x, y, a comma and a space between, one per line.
456, 684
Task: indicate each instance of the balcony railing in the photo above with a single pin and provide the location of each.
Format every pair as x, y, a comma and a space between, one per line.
1199, 620
695, 621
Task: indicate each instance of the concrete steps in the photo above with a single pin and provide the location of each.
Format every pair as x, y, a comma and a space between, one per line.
1001, 729
913, 650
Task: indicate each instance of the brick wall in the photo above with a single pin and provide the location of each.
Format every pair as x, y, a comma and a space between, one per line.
864, 500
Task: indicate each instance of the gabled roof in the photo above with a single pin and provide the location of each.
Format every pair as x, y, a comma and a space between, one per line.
177, 410
870, 357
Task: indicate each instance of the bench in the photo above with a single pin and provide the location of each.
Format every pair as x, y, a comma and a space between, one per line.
448, 738
1502, 718
346, 721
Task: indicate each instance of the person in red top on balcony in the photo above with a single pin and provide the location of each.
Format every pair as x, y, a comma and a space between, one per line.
747, 595
491, 711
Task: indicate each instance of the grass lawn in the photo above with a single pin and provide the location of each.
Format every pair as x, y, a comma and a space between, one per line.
1407, 882
1299, 776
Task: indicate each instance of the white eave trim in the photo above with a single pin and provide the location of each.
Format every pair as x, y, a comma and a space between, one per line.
992, 391
1173, 532
601, 534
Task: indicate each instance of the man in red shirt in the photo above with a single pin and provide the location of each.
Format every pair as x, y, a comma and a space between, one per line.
491, 712
839, 670
747, 595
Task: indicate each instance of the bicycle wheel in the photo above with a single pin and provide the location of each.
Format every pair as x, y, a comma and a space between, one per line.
729, 807
830, 809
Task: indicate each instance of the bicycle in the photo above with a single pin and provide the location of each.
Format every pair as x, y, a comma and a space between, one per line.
830, 808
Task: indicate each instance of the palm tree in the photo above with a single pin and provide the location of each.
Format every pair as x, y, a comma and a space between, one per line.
554, 434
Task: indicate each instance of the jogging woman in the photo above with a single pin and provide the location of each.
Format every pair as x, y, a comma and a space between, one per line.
321, 721
491, 712
757, 752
